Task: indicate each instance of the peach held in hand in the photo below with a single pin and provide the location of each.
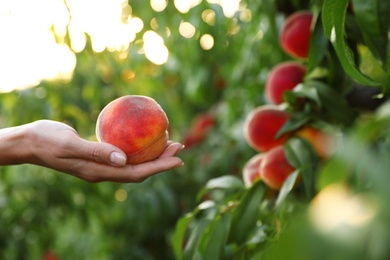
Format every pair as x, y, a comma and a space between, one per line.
275, 168
262, 125
295, 34
283, 77
137, 125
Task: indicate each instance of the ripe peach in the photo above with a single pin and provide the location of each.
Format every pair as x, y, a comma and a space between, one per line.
261, 126
283, 77
199, 128
136, 124
322, 142
295, 34
250, 171
203, 122
50, 256
275, 168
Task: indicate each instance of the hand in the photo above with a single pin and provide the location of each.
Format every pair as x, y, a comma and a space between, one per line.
58, 146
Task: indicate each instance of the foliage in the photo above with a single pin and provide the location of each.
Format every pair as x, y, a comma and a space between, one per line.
203, 210
348, 55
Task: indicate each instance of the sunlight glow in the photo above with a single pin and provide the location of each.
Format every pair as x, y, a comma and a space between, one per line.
136, 24
208, 16
33, 34
78, 39
229, 7
101, 20
206, 41
185, 5
121, 195
158, 5
154, 24
187, 30
154, 48
246, 15
336, 211
28, 49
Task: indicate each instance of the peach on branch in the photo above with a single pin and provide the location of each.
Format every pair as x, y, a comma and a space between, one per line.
275, 168
198, 130
250, 171
295, 34
262, 126
137, 125
202, 123
283, 77
322, 142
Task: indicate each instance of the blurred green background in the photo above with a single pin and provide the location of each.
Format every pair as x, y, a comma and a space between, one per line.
42, 210
195, 58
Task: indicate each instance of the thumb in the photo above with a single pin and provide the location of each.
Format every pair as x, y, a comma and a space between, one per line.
103, 153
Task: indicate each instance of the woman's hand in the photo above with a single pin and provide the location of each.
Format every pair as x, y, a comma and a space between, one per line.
58, 146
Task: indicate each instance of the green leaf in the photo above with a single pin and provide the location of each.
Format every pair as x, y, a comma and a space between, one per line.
258, 236
366, 13
333, 19
214, 237
193, 240
246, 214
384, 18
302, 156
181, 228
306, 90
386, 81
327, 16
223, 182
299, 152
179, 234
296, 120
318, 44
335, 105
373, 19
287, 187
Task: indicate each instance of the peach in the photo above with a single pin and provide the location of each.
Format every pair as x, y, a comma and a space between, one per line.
262, 125
50, 256
137, 125
295, 34
322, 142
199, 128
283, 77
203, 122
250, 171
275, 168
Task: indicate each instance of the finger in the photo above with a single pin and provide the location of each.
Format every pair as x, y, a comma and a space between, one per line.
94, 172
145, 170
99, 152
172, 150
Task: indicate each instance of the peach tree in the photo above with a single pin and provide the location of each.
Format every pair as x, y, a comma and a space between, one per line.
328, 205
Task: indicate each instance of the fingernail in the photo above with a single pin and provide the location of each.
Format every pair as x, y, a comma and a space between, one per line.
117, 159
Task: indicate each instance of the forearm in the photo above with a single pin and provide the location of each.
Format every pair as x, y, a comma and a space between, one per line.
58, 146
14, 145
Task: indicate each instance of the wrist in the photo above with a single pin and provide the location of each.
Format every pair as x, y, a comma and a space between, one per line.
14, 145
